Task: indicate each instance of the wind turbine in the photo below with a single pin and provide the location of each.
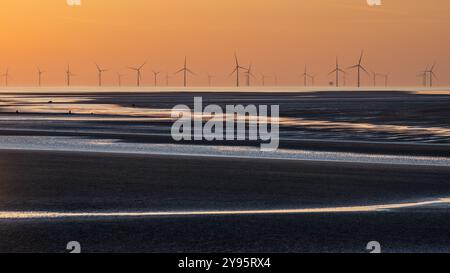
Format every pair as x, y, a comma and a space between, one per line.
386, 79
337, 70
249, 74
138, 72
167, 79
210, 77
236, 70
424, 76
69, 75
155, 74
375, 75
263, 79
432, 75
185, 71
100, 72
6, 76
313, 79
360, 67
275, 79
119, 78
305, 76
40, 72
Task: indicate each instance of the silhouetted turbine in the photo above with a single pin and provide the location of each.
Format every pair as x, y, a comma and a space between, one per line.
210, 77
185, 71
69, 75
386, 79
375, 75
305, 76
167, 79
424, 76
263, 79
6, 76
236, 70
336, 70
119, 78
40, 72
100, 72
249, 74
431, 74
359, 68
138, 72
155, 74
313, 79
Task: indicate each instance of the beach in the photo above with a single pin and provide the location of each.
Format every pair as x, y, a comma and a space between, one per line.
352, 167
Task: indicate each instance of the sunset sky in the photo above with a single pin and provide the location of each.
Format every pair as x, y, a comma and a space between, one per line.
279, 36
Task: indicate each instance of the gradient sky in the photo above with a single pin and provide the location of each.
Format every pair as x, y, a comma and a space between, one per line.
400, 37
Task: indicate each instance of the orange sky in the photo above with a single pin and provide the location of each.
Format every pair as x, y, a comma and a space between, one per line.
279, 36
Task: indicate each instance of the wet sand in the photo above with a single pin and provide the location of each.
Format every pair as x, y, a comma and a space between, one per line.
412, 124
384, 116
71, 181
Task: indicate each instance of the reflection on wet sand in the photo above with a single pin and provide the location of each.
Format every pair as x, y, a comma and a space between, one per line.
87, 106
366, 127
354, 209
77, 105
116, 146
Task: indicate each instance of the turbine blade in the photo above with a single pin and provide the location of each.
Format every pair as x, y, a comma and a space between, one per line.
361, 57
234, 71
143, 65
434, 65
179, 71
362, 67
434, 75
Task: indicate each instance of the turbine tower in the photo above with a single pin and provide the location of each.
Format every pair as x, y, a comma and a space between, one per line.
386, 79
185, 71
305, 76
40, 72
155, 74
263, 79
236, 70
6, 76
100, 72
138, 72
167, 79
337, 70
359, 67
119, 78
249, 74
345, 78
69, 75
313, 79
375, 75
210, 77
431, 74
424, 75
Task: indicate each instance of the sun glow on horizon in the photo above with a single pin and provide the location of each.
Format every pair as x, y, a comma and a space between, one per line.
400, 37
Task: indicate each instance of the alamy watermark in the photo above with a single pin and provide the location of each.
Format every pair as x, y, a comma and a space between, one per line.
235, 122
73, 2
374, 2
